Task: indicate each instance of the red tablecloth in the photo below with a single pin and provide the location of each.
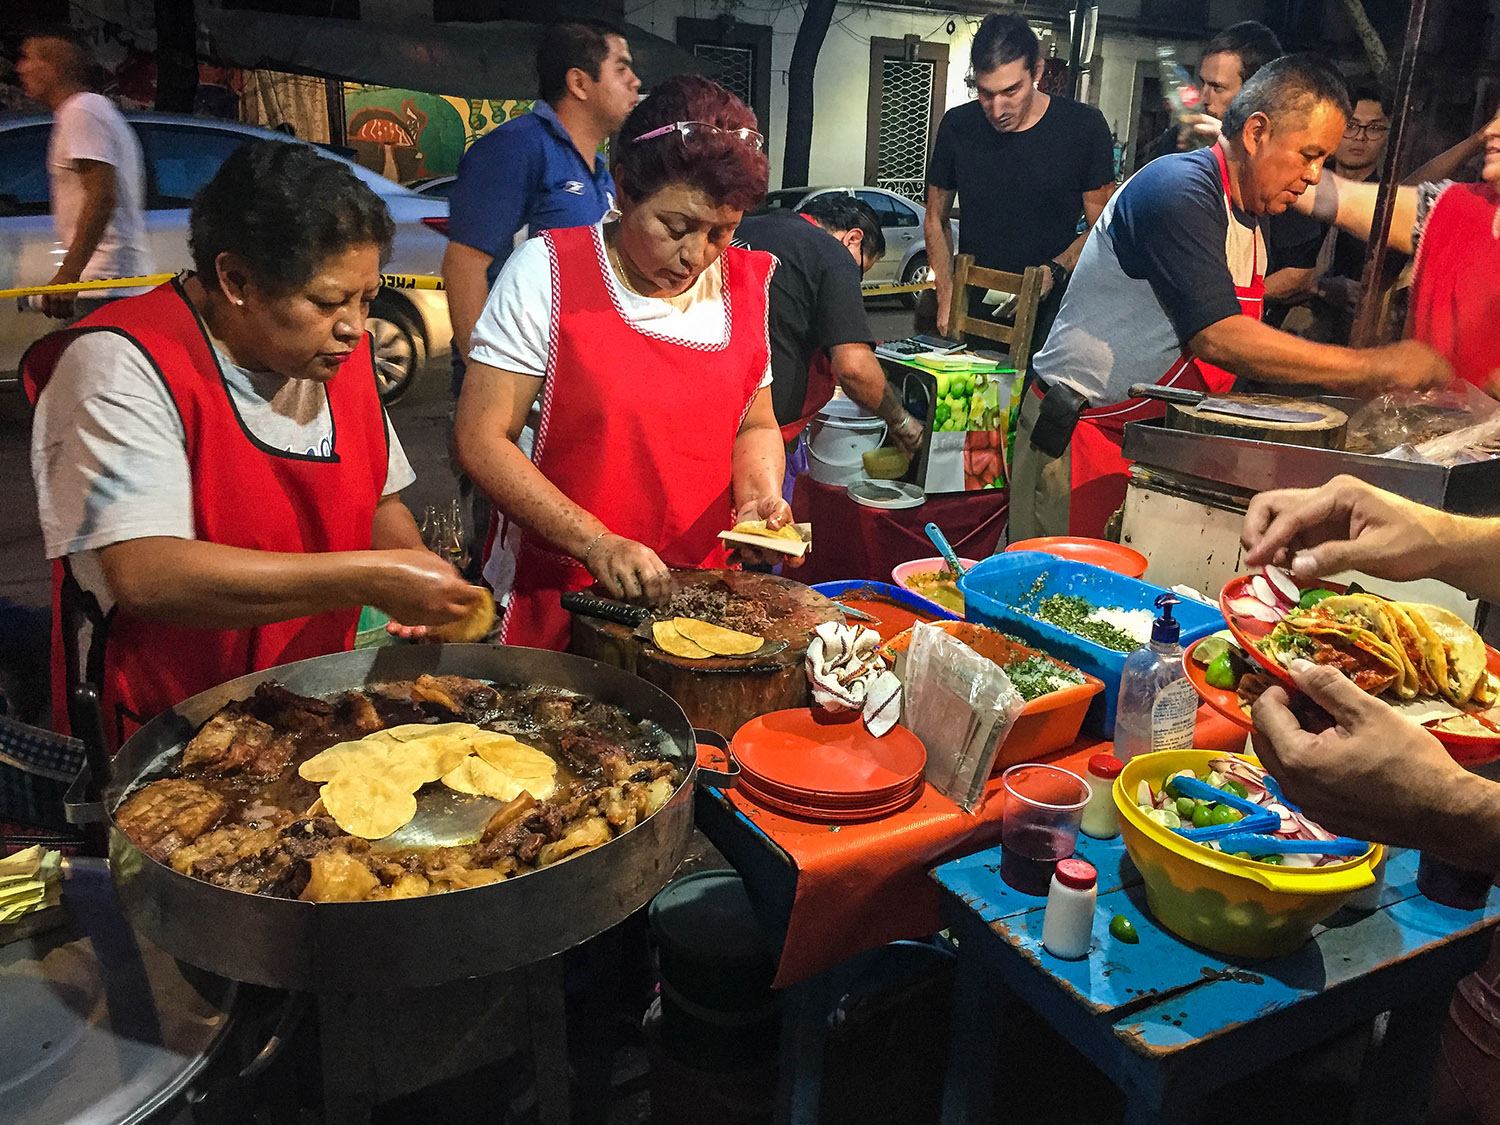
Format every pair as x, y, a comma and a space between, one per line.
853, 541
859, 886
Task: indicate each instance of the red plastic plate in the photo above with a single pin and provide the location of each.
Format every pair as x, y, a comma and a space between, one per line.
1225, 701
1098, 552
1466, 749
795, 750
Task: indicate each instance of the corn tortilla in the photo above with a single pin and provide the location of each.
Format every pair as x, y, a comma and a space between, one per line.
716, 639
668, 639
368, 805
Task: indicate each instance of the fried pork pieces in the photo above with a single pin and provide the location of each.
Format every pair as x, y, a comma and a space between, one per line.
237, 814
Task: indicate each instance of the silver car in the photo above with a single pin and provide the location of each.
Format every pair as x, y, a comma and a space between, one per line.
905, 261
182, 153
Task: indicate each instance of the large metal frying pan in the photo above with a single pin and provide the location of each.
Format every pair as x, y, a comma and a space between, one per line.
415, 942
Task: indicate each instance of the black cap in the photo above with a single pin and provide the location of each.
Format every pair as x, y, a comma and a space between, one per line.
1166, 630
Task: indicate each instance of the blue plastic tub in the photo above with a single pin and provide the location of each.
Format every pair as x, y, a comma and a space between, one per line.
994, 588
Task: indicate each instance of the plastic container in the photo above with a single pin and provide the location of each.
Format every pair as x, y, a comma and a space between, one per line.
1157, 708
1047, 724
870, 596
994, 588
1100, 820
841, 434
1068, 921
1101, 552
1233, 906
885, 463
903, 571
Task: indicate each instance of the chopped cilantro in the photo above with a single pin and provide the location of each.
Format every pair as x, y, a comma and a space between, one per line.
1075, 615
1036, 676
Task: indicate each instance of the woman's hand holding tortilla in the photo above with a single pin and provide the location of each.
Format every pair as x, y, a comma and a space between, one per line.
417, 588
1373, 775
1346, 525
628, 569
777, 513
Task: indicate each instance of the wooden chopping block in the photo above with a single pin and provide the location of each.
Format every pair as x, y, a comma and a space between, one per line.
723, 693
1327, 433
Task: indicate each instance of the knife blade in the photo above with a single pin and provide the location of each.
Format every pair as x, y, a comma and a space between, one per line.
1224, 405
1259, 412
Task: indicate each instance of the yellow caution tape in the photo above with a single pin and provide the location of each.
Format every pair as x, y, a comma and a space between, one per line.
145, 282
892, 290
410, 281
390, 280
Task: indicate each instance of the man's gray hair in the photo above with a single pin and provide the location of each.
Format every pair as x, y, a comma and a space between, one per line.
1286, 89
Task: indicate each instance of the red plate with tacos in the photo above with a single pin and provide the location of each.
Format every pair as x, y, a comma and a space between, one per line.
1427, 662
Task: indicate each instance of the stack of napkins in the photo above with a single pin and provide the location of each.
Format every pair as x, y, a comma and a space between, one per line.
847, 673
30, 880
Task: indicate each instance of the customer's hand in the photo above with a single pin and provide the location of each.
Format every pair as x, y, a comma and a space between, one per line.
1407, 365
1344, 525
777, 513
629, 570
1374, 775
60, 306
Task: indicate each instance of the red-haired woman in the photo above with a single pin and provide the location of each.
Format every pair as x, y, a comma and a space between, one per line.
645, 339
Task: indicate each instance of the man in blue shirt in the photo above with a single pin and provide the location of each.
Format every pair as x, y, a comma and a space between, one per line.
541, 171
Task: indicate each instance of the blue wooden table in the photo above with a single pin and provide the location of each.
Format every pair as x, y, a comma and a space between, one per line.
1167, 1022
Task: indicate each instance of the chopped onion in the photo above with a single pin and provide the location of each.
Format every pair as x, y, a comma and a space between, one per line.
1255, 609
1290, 593
1143, 795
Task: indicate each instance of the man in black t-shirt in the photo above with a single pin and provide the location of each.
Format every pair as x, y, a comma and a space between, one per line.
1027, 165
820, 337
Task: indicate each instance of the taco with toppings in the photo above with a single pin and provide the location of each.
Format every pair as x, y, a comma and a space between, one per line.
1348, 634
1463, 676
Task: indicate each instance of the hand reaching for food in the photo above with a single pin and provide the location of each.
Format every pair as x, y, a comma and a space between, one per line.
774, 514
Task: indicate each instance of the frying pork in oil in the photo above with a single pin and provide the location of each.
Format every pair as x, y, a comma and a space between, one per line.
236, 813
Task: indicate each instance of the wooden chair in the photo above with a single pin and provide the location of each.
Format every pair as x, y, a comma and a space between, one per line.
1028, 289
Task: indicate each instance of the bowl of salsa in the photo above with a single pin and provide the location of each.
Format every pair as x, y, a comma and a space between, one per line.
932, 580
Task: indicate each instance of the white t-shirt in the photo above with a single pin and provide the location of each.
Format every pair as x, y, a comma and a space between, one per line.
109, 454
89, 127
514, 332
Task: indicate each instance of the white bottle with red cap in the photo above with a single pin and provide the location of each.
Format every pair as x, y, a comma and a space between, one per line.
1068, 923
1100, 818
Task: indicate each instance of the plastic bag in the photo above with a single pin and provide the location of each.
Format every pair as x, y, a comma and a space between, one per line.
961, 705
1415, 417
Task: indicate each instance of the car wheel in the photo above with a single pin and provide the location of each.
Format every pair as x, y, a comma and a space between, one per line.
400, 350
918, 272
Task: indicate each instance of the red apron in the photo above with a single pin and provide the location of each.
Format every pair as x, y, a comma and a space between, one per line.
821, 384
244, 495
636, 428
1100, 471
1455, 290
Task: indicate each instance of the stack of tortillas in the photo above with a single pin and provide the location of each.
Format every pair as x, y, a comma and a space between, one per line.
699, 640
370, 784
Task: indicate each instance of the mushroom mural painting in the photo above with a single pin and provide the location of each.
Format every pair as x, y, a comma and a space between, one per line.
408, 135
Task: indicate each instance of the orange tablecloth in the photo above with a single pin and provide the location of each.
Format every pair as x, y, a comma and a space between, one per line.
859, 886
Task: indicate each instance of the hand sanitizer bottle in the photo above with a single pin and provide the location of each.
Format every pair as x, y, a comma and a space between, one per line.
1157, 706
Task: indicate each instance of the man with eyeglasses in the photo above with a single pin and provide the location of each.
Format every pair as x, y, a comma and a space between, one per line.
1314, 285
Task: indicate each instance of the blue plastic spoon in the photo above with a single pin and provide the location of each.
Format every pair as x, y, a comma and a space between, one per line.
940, 541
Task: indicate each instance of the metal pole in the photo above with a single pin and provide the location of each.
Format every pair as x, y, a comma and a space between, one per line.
1366, 315
1075, 46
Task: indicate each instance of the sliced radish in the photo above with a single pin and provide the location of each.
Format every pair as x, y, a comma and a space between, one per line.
1255, 609
1290, 593
1264, 591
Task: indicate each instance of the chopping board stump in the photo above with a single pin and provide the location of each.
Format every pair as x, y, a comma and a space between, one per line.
1327, 433
722, 693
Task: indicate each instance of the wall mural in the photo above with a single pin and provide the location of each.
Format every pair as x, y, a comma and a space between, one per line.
407, 135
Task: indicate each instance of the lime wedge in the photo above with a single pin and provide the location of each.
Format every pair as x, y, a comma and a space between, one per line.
1209, 649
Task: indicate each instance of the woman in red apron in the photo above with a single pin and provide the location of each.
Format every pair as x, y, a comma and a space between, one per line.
195, 537
645, 339
1100, 471
1455, 229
